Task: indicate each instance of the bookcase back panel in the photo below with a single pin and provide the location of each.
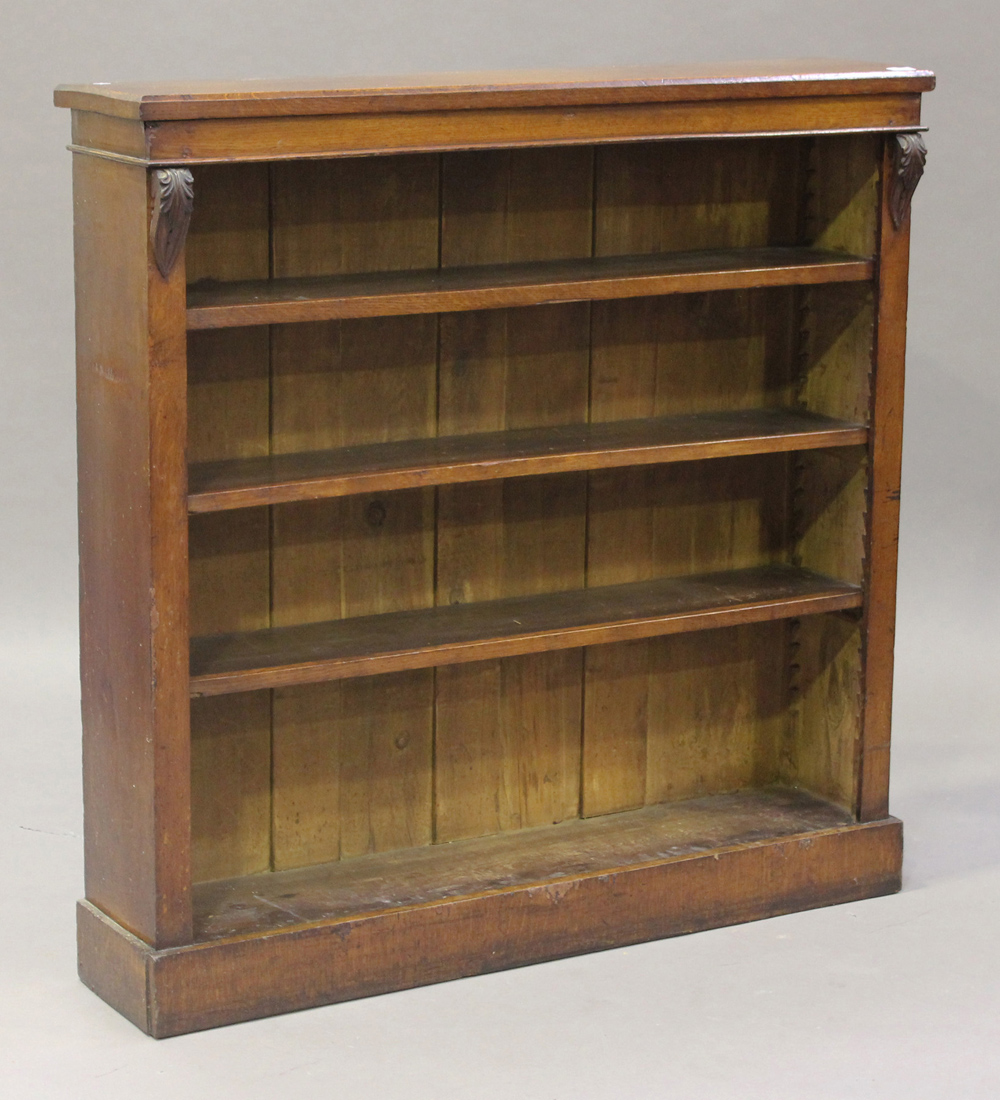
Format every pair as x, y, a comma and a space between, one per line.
835, 347
690, 353
352, 768
509, 205
677, 196
508, 731
229, 553
687, 518
507, 744
823, 735
842, 192
830, 510
231, 785
683, 716
352, 761
344, 769
658, 721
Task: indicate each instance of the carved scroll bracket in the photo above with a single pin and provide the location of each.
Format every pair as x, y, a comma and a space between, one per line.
173, 202
909, 155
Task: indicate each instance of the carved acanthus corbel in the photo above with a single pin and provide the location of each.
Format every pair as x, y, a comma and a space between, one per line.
173, 202
909, 155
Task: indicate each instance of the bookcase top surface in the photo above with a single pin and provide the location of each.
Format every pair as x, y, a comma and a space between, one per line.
513, 88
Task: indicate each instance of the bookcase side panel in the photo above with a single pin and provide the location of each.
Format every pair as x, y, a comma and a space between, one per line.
507, 735
133, 549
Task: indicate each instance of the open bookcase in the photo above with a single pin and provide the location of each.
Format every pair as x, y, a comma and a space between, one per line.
489, 496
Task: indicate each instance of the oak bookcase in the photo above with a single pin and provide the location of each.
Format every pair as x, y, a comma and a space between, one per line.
488, 511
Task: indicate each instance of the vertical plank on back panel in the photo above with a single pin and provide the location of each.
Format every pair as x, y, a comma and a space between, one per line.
680, 195
352, 761
689, 353
671, 521
508, 732
716, 711
645, 703
228, 401
359, 778
231, 818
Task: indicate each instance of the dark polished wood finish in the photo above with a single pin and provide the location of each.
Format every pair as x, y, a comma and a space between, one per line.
488, 547
173, 204
909, 155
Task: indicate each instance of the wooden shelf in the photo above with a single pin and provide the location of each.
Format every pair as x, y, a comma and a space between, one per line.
436, 873
483, 456
372, 644
280, 301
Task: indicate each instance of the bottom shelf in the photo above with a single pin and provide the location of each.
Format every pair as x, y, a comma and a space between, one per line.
298, 939
523, 857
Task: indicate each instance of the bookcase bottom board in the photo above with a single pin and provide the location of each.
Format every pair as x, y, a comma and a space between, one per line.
290, 940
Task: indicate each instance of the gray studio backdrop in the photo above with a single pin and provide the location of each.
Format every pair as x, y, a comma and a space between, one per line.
896, 997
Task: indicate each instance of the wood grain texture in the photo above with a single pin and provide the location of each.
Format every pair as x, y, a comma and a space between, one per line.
107, 133
303, 137
508, 744
231, 775
494, 286
829, 512
508, 88
687, 355
822, 749
133, 582
229, 555
837, 322
661, 522
222, 981
459, 633
113, 963
258, 904
512, 726
342, 384
543, 511
683, 716
885, 456
488, 456
352, 768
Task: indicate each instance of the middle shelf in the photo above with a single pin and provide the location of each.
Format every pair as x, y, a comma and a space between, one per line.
483, 456
372, 644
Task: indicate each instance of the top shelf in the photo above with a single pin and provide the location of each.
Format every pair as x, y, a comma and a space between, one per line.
380, 294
